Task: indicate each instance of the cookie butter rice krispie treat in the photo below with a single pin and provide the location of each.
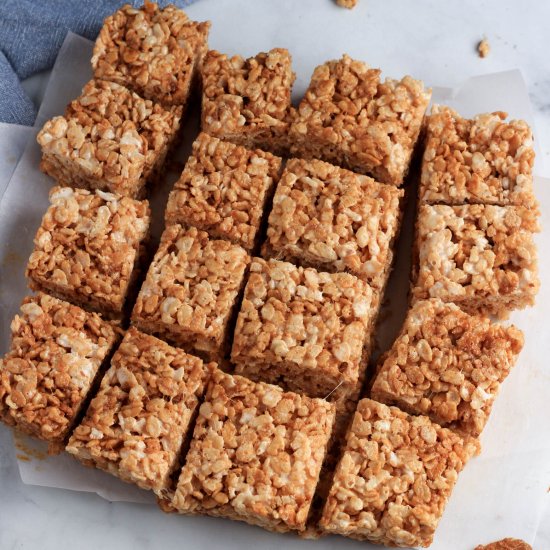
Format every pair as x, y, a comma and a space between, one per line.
191, 291
255, 455
485, 160
55, 354
88, 248
394, 478
223, 190
302, 329
447, 365
483, 258
334, 220
154, 52
136, 425
247, 101
350, 118
109, 139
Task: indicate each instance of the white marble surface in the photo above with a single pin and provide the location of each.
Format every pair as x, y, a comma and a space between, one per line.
431, 40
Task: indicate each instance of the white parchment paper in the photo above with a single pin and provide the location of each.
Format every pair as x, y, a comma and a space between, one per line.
501, 493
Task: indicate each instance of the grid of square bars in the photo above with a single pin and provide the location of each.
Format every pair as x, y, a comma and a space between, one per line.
167, 418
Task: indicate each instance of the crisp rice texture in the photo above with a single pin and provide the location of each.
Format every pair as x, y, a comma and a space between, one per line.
55, 353
505, 544
191, 290
87, 248
255, 455
334, 220
484, 160
394, 478
350, 118
155, 52
135, 426
223, 190
447, 365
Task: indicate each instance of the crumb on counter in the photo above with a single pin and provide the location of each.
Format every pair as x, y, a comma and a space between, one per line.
483, 48
349, 4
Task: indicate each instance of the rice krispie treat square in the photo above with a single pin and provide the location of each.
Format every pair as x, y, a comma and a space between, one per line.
255, 455
137, 423
191, 291
484, 160
305, 330
56, 352
89, 247
447, 365
334, 220
154, 52
350, 118
109, 139
481, 257
223, 190
247, 101
394, 478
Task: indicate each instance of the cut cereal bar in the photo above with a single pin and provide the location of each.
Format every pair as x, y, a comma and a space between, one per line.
394, 478
56, 351
334, 220
139, 420
154, 52
447, 365
485, 160
191, 291
483, 258
223, 190
255, 455
350, 118
305, 330
247, 101
109, 139
89, 247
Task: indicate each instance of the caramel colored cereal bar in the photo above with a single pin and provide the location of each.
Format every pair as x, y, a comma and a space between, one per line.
154, 52
223, 190
55, 354
394, 478
306, 330
109, 139
255, 455
247, 101
88, 248
447, 365
483, 258
334, 220
350, 118
485, 160
191, 290
135, 426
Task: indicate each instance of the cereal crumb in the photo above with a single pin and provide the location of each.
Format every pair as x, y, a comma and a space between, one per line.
483, 48
505, 544
350, 4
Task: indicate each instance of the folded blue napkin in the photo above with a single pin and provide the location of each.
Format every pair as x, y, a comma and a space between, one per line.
31, 33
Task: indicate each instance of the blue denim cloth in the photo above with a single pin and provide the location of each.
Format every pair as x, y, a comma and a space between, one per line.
31, 33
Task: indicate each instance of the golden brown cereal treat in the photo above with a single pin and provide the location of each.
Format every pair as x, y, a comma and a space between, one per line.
505, 544
55, 354
247, 101
191, 291
109, 139
350, 118
483, 258
334, 220
255, 455
484, 160
223, 190
305, 330
135, 426
447, 365
394, 478
88, 248
154, 52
